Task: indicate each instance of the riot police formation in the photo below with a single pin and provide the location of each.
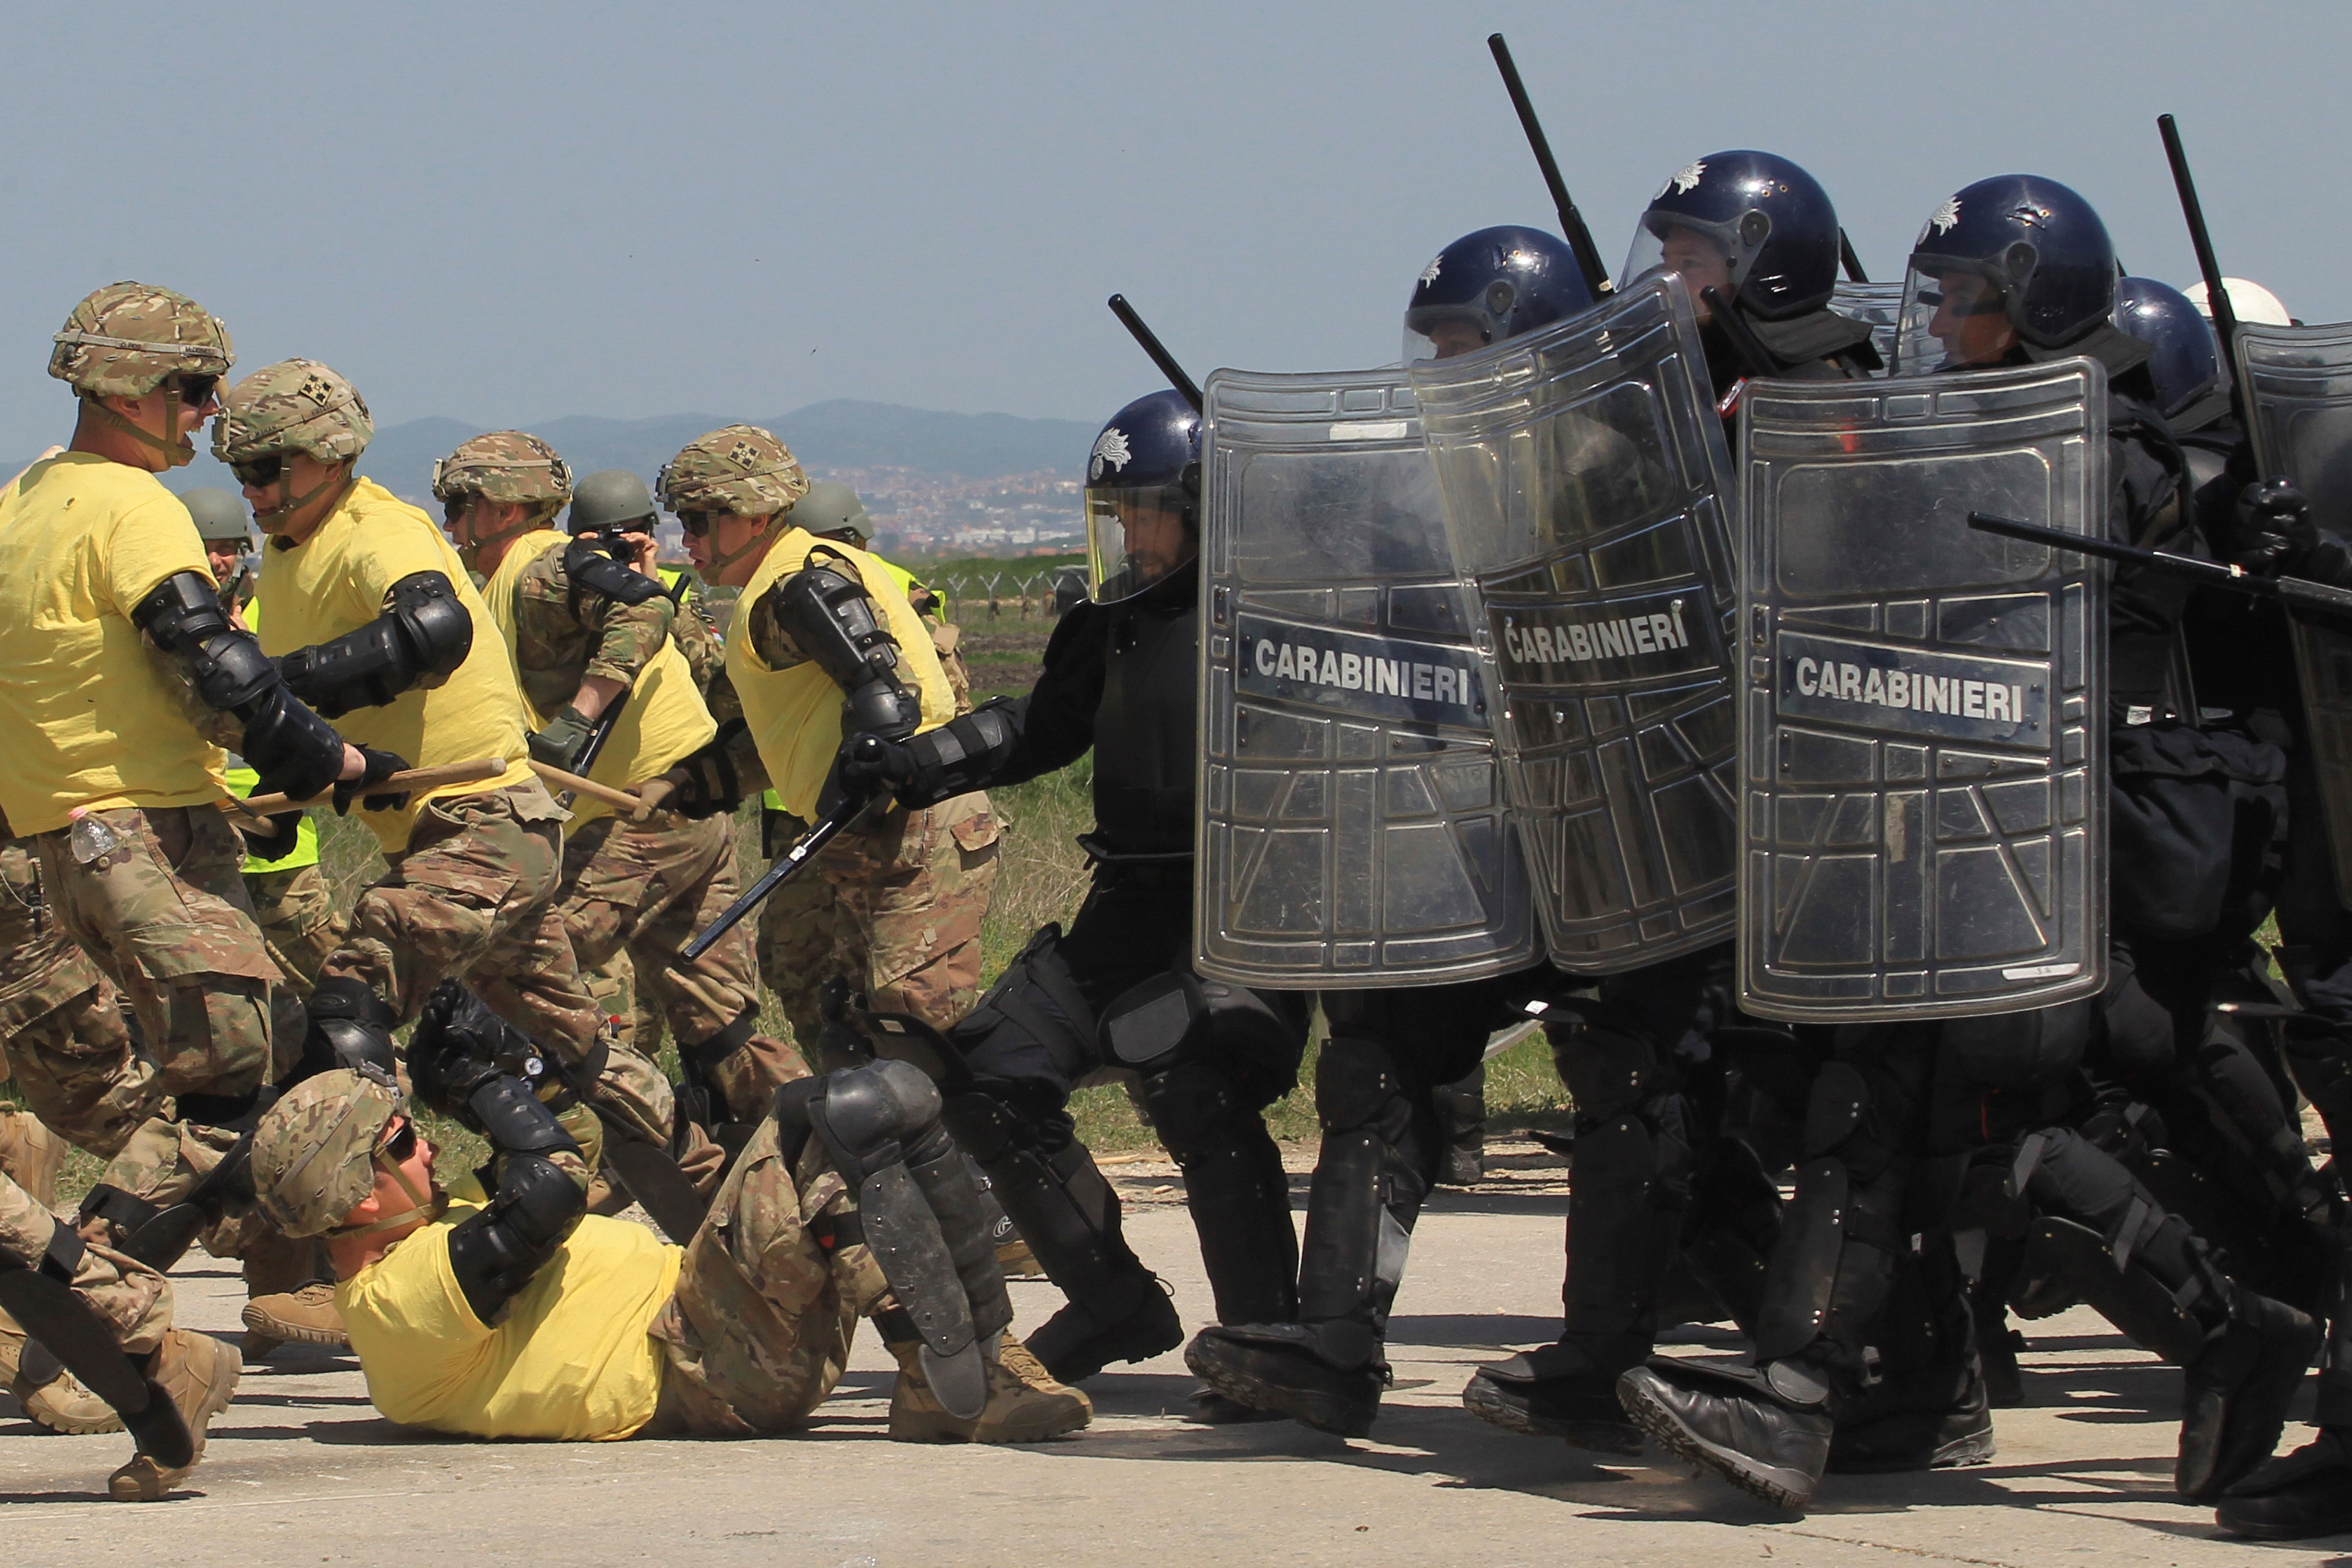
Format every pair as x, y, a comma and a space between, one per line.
1872, 729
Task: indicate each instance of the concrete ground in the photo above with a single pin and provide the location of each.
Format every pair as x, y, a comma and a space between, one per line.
301, 1469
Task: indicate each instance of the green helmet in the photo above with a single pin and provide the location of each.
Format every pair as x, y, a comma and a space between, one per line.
128, 338
740, 469
830, 507
504, 465
613, 498
294, 405
219, 514
314, 1150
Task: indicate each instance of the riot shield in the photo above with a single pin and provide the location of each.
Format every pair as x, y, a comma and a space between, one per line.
1879, 304
1584, 474
1352, 831
2298, 397
1923, 720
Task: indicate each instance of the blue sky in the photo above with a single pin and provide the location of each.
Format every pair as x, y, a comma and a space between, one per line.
507, 213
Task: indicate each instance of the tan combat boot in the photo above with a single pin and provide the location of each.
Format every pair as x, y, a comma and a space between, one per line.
31, 1155
51, 1397
304, 1316
1020, 1408
199, 1373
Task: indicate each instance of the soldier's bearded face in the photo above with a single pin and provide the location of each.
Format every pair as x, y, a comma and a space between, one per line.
1156, 541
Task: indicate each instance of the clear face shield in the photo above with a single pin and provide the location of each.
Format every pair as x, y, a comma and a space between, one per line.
1444, 331
1705, 256
1955, 317
1135, 536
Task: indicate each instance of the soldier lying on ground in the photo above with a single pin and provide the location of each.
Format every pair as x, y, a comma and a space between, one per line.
501, 1311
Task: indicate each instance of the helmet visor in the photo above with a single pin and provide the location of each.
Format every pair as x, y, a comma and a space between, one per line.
1955, 317
1135, 536
1447, 331
1705, 256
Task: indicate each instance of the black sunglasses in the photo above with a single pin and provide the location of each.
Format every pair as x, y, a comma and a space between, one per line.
197, 391
458, 506
400, 1145
260, 470
694, 525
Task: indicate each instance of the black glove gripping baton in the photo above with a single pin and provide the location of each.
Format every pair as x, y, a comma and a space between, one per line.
800, 854
2295, 591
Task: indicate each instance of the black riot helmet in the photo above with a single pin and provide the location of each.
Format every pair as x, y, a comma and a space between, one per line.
1762, 220
1143, 495
2183, 361
613, 499
2025, 249
1488, 285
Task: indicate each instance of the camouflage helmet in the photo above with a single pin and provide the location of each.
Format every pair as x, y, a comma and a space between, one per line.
830, 507
127, 339
294, 405
219, 514
504, 465
613, 498
314, 1150
740, 469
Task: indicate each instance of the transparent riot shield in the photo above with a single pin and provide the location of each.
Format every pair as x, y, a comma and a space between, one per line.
1879, 304
2298, 384
1584, 474
1352, 828
1923, 722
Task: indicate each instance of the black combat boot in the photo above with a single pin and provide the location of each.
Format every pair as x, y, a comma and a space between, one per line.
1766, 1431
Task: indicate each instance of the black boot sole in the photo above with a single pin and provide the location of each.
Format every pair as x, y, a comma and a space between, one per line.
1732, 1466
1331, 1413
1491, 1403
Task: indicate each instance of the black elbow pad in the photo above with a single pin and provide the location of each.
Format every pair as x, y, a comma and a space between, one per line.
292, 748
829, 615
426, 631
496, 1252
963, 753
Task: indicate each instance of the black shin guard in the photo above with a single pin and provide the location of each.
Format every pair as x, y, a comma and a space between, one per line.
1371, 1177
1235, 1188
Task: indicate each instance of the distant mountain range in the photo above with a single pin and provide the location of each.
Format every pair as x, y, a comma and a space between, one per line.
827, 437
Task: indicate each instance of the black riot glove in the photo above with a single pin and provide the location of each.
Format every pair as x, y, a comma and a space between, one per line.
458, 1046
2275, 531
704, 784
560, 742
381, 766
864, 767
272, 845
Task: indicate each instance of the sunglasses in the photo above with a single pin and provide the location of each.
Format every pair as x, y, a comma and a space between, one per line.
259, 470
694, 525
458, 506
398, 1145
197, 391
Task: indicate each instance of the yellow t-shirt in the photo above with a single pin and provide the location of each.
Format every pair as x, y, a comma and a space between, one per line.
571, 1360
664, 717
794, 715
334, 583
86, 718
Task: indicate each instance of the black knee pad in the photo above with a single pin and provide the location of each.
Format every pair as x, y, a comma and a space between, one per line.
1607, 1072
1356, 1085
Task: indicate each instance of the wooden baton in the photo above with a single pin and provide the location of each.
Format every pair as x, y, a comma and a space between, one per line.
407, 781
619, 800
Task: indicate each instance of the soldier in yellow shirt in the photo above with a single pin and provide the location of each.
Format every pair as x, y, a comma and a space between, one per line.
824, 646
612, 696
502, 1312
374, 621
120, 672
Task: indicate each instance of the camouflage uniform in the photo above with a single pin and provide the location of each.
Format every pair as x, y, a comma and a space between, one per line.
893, 905
68, 1050
134, 1300
296, 910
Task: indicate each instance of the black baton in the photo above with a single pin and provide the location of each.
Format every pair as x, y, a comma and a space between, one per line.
793, 859
2295, 591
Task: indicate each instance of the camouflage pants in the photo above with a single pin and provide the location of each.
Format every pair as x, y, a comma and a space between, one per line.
132, 1299
759, 1329
68, 1046
895, 908
474, 896
296, 912
647, 888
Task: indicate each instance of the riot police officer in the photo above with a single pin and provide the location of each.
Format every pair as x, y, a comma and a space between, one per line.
2017, 270
1117, 989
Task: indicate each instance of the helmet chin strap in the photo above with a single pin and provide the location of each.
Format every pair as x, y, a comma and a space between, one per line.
271, 521
425, 1207
175, 454
477, 543
721, 561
